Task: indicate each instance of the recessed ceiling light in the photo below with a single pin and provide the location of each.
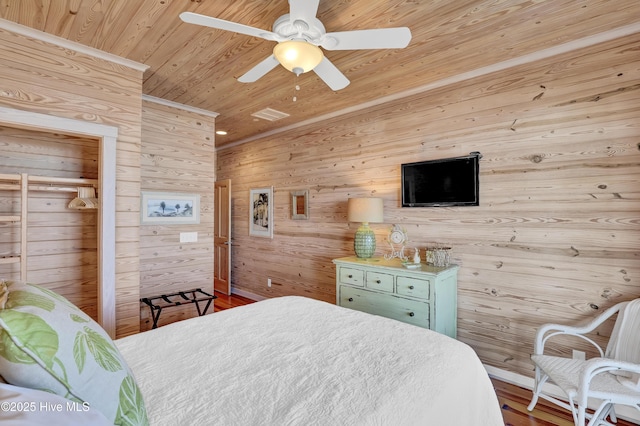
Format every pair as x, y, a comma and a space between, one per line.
221, 132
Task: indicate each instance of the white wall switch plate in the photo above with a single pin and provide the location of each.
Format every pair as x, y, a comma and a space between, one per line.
188, 237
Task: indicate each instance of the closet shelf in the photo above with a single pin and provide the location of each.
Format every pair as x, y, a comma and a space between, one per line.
43, 183
46, 183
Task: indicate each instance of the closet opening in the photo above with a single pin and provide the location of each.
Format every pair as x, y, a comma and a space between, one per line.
69, 250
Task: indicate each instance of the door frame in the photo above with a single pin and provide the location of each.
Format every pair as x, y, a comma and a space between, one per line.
222, 240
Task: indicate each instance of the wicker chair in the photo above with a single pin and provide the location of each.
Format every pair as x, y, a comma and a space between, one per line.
612, 378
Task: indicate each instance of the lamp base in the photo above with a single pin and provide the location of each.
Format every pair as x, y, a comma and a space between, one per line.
364, 243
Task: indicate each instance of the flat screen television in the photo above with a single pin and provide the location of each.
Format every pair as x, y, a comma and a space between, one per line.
442, 183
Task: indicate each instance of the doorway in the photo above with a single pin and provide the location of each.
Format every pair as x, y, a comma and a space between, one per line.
222, 237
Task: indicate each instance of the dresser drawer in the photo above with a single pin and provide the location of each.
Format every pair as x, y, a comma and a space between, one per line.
406, 310
379, 281
413, 287
352, 276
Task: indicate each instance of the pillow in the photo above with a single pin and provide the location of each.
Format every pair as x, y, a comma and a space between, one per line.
22, 406
47, 343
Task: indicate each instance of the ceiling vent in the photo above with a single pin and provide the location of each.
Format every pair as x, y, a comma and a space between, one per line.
270, 114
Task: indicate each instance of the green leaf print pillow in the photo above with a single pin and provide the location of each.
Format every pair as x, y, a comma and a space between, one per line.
47, 343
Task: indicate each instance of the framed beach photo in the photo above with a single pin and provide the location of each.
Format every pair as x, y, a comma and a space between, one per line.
168, 208
261, 212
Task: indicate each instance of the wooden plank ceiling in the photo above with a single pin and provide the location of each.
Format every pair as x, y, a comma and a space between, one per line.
199, 66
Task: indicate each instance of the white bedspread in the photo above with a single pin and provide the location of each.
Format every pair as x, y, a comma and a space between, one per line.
298, 361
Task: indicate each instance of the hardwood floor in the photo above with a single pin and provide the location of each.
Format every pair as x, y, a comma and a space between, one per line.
513, 399
229, 301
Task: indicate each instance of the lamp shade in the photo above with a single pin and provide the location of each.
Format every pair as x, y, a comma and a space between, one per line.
366, 210
298, 56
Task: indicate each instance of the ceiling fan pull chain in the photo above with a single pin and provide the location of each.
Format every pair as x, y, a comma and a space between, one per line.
296, 87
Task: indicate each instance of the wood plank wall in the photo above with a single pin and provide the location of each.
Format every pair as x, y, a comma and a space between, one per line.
178, 156
44, 78
557, 234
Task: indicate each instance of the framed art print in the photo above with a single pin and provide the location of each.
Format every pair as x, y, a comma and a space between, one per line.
261, 212
169, 208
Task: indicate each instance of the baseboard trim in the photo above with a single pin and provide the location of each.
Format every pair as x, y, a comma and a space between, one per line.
247, 294
622, 411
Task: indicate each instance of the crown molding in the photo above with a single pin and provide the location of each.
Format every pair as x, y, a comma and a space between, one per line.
179, 106
71, 45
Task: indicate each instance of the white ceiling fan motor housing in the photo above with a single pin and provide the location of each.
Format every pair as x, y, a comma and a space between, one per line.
311, 31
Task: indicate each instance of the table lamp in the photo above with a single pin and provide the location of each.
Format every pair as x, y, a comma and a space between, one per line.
365, 210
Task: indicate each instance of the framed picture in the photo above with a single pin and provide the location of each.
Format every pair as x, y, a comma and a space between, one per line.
167, 208
300, 204
261, 212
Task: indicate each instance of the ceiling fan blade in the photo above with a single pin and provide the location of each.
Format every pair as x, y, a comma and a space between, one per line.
331, 75
382, 38
259, 70
221, 24
303, 9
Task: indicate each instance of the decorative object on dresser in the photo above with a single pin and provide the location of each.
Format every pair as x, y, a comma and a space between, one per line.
426, 297
365, 210
416, 256
397, 239
438, 256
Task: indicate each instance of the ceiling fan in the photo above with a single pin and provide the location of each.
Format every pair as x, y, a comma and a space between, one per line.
300, 35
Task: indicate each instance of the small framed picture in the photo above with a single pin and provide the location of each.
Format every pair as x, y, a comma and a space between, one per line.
167, 208
261, 212
300, 204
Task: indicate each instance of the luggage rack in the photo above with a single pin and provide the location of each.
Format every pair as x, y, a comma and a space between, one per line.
195, 295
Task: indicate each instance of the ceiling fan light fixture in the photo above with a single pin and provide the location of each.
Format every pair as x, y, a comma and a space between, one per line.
298, 56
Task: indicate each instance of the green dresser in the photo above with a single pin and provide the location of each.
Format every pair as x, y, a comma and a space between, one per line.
426, 296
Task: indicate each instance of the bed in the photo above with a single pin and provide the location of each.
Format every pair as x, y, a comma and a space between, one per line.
283, 361
297, 361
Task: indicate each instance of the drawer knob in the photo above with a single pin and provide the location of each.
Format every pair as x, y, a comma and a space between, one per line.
411, 314
350, 276
378, 281
410, 287
351, 299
